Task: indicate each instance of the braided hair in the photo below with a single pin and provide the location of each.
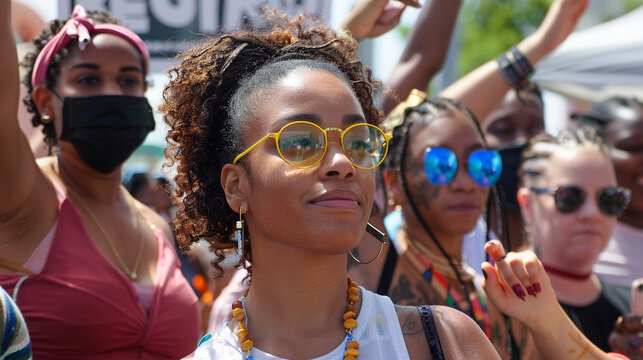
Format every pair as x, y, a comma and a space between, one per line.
541, 148
207, 107
430, 109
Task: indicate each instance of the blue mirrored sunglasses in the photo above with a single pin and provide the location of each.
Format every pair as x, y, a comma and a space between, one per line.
441, 165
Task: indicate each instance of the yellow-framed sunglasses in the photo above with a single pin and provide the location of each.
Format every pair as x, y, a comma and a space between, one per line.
303, 144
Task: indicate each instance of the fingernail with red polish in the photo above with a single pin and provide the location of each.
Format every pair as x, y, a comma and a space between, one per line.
537, 288
531, 291
519, 291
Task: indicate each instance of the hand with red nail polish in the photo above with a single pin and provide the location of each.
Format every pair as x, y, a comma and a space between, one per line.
531, 290
508, 282
517, 284
519, 291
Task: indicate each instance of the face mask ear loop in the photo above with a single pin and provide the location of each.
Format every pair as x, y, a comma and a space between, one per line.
55, 94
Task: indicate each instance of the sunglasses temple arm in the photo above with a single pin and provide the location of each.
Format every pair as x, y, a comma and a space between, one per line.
380, 236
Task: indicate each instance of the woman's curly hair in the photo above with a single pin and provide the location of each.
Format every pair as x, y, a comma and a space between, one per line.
39, 42
205, 127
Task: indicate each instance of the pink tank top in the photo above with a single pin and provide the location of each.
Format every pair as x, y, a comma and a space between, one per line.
80, 306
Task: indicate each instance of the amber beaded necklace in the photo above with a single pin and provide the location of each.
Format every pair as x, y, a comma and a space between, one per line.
352, 346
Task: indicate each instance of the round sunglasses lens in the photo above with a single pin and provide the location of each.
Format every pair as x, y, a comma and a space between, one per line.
613, 200
440, 165
569, 198
364, 145
485, 167
301, 144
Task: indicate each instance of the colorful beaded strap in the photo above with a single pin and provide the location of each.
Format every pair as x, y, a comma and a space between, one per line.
475, 306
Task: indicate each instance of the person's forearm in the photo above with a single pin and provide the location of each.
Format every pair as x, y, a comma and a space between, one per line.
362, 16
425, 50
483, 89
556, 337
16, 158
9, 80
8, 60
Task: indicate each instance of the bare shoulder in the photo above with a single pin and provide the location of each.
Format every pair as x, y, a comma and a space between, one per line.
460, 336
413, 332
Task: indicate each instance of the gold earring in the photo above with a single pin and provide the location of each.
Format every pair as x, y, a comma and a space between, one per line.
45, 118
380, 236
370, 261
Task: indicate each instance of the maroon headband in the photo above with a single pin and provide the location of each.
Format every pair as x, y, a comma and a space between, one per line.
81, 27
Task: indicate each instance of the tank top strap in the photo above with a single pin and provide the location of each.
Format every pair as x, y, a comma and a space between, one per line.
431, 332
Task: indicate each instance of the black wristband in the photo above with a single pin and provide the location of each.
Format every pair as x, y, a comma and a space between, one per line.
522, 61
509, 72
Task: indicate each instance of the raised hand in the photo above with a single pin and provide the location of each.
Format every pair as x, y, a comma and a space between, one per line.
559, 22
372, 18
517, 284
484, 88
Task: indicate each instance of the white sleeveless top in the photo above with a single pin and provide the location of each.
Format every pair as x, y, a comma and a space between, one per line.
378, 333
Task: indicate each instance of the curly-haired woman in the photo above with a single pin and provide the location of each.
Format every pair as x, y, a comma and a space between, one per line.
275, 143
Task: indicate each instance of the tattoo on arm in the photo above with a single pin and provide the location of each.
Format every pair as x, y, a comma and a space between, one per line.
497, 334
583, 349
410, 324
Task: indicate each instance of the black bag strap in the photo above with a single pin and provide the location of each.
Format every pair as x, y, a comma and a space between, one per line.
431, 332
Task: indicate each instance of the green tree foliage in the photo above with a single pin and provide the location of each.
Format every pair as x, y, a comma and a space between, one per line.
490, 27
632, 4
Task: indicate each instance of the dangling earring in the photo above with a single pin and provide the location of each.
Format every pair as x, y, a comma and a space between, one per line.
395, 206
239, 231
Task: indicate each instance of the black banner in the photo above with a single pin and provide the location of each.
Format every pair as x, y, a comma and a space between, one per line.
169, 26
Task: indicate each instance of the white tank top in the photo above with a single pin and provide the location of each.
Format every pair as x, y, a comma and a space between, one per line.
378, 333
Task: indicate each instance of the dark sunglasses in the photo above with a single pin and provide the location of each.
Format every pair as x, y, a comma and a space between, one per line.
441, 165
611, 200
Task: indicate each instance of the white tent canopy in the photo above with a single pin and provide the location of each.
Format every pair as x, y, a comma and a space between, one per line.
598, 62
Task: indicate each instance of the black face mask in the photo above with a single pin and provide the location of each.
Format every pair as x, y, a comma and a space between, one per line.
106, 129
509, 177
